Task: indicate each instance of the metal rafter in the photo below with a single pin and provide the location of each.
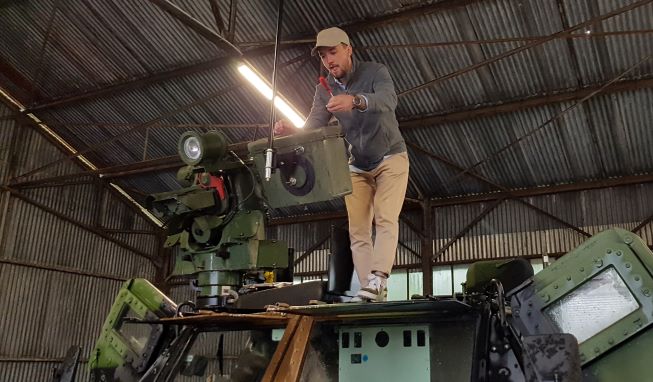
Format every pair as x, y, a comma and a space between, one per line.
563, 33
468, 227
233, 13
27, 199
545, 190
18, 79
409, 249
480, 111
554, 118
315, 246
133, 130
477, 111
215, 8
505, 190
57, 268
353, 27
642, 224
197, 26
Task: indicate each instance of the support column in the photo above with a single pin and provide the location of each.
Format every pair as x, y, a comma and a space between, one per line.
427, 248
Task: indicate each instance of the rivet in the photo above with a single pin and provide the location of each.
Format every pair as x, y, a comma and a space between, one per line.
628, 239
611, 341
493, 348
608, 251
636, 278
627, 265
555, 286
568, 278
619, 253
582, 269
597, 350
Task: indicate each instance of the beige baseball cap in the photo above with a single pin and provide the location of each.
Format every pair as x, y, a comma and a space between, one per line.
330, 37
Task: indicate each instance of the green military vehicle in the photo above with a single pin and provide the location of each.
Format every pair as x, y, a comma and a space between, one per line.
585, 318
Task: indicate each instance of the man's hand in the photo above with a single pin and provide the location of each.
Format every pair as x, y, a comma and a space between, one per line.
342, 102
283, 127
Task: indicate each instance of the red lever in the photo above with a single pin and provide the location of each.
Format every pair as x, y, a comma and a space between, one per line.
325, 85
206, 180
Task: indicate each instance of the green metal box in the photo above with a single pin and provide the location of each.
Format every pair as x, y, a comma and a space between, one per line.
311, 166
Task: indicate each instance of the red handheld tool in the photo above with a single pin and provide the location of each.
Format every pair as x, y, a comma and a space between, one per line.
325, 84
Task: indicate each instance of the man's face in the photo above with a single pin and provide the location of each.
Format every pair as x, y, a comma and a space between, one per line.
337, 59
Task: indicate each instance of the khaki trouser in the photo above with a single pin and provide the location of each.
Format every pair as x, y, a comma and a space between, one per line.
377, 195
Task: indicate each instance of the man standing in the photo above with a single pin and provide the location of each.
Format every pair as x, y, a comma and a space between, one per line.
363, 100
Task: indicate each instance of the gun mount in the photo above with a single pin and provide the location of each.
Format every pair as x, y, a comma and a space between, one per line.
218, 218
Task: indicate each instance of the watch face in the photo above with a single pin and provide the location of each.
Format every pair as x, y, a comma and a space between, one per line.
358, 100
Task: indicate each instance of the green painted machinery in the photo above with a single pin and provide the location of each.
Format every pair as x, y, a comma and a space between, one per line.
218, 218
587, 317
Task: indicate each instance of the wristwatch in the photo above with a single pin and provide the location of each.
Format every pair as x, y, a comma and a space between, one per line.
359, 102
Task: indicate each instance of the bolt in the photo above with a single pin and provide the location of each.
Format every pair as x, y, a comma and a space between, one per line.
493, 348
628, 239
547, 298
598, 263
504, 372
506, 346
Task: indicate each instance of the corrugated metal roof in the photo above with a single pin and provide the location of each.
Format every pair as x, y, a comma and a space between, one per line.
71, 48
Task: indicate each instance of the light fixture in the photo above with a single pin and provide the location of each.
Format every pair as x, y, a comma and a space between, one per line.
266, 91
197, 149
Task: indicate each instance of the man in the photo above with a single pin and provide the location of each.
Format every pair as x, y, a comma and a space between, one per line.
363, 100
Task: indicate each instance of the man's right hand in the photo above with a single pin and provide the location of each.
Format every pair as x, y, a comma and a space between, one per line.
283, 127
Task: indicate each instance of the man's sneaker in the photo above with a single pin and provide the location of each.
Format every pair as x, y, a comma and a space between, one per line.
375, 290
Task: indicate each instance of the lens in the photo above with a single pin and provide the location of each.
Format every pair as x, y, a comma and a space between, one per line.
192, 148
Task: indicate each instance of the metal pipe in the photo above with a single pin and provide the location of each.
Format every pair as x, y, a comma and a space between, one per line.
269, 153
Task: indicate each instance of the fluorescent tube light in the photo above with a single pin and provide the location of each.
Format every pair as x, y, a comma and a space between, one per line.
266, 91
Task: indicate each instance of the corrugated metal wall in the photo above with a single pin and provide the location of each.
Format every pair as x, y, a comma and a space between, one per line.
57, 279
511, 229
514, 229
